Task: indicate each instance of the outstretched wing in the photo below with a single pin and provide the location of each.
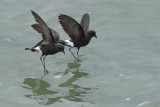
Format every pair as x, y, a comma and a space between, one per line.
71, 27
55, 35
85, 22
39, 30
47, 36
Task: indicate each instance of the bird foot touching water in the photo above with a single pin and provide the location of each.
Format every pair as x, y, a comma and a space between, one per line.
45, 71
77, 59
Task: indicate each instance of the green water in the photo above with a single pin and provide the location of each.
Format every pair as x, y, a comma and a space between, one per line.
121, 68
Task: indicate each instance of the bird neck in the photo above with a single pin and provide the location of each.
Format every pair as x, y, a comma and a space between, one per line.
88, 37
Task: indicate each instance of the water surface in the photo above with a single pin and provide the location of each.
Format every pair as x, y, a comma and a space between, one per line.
121, 68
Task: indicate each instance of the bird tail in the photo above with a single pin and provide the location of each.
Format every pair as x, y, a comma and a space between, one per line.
27, 48
62, 42
33, 50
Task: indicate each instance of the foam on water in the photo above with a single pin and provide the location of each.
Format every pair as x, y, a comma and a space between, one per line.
58, 76
143, 103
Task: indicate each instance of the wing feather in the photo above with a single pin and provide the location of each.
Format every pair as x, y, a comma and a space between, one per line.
85, 22
71, 27
47, 36
39, 30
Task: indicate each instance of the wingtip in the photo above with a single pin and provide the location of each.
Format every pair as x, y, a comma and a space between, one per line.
34, 25
32, 11
34, 14
60, 16
86, 14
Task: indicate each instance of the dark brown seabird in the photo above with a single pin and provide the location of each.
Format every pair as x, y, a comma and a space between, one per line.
47, 46
79, 33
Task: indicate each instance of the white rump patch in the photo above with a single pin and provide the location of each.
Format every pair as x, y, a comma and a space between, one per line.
69, 43
38, 50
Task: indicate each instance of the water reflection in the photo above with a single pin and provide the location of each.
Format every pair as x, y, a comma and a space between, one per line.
76, 92
73, 67
39, 89
46, 96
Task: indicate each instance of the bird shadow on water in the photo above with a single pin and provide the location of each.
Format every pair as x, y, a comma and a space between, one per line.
42, 92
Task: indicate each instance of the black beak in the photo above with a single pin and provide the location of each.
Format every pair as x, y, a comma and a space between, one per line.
95, 36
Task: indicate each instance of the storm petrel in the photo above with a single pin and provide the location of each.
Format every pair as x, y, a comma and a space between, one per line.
79, 33
47, 46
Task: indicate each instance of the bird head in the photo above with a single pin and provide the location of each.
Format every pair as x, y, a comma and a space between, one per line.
92, 33
61, 48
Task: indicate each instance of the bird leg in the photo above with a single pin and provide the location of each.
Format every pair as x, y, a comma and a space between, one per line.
73, 54
43, 63
77, 52
45, 70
